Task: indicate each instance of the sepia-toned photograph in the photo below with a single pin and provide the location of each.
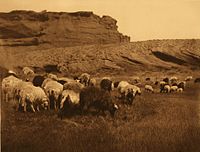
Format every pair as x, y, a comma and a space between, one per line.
100, 75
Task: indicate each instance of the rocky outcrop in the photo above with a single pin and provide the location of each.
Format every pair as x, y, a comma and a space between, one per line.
27, 28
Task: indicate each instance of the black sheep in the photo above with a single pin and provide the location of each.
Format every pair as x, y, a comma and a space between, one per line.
97, 98
106, 84
38, 80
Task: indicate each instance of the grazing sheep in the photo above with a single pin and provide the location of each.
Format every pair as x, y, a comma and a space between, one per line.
34, 96
38, 80
136, 79
180, 90
101, 100
28, 71
116, 84
10, 72
69, 102
22, 85
130, 92
166, 80
92, 82
173, 88
73, 85
188, 78
173, 79
52, 76
8, 86
106, 84
148, 79
149, 88
74, 97
64, 80
197, 80
84, 79
53, 89
182, 85
166, 88
162, 85
121, 86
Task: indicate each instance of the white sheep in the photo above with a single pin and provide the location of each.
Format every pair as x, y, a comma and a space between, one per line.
33, 96
71, 96
92, 82
73, 85
52, 76
188, 78
173, 88
136, 79
180, 90
130, 92
84, 79
27, 71
53, 89
167, 88
149, 88
8, 86
121, 86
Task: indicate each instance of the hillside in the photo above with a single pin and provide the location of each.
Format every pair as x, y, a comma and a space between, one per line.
29, 28
171, 56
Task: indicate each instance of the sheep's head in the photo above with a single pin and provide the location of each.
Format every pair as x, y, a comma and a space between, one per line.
66, 100
113, 109
45, 103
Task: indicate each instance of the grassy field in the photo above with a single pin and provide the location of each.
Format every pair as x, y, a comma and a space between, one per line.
154, 123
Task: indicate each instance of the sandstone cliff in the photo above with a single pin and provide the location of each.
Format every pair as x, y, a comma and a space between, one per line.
29, 28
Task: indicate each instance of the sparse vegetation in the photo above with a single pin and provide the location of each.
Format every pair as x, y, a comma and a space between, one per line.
155, 122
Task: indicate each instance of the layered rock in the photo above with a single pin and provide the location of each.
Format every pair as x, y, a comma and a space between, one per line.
26, 28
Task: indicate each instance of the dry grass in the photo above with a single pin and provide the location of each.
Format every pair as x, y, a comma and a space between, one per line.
155, 122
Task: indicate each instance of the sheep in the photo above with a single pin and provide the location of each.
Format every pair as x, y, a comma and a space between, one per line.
136, 79
64, 80
69, 102
173, 79
180, 90
147, 79
149, 88
122, 85
188, 78
28, 71
116, 84
53, 89
182, 85
173, 88
73, 85
33, 96
166, 80
167, 88
197, 80
92, 82
22, 85
11, 72
162, 85
100, 99
52, 76
8, 86
84, 79
106, 84
38, 80
130, 92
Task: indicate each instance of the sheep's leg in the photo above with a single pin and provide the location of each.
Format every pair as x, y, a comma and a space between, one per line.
38, 108
6, 95
32, 108
55, 105
24, 106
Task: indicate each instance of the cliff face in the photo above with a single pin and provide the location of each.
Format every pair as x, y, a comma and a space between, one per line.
26, 28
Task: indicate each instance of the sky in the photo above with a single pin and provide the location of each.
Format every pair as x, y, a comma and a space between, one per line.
139, 19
